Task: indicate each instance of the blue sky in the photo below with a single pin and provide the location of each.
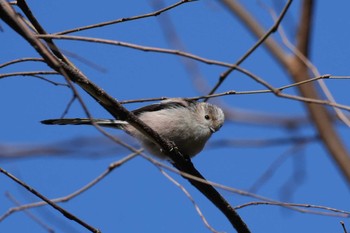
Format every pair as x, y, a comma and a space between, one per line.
137, 197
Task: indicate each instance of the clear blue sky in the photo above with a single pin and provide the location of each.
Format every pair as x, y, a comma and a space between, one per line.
137, 197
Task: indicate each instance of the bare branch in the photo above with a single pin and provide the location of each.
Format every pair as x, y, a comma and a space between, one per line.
110, 168
122, 20
264, 200
274, 166
119, 112
332, 211
20, 60
291, 206
48, 201
35, 74
319, 114
311, 67
234, 6
298, 65
28, 73
30, 215
191, 199
299, 72
256, 29
343, 226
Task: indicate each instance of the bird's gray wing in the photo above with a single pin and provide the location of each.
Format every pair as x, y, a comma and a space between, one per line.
166, 104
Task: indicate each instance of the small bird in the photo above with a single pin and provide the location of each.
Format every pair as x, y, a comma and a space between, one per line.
187, 123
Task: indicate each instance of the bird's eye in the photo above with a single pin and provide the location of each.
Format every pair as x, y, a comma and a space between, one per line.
207, 117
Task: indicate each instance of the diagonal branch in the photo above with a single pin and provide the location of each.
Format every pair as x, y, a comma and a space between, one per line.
51, 203
318, 113
298, 71
122, 20
259, 32
9, 16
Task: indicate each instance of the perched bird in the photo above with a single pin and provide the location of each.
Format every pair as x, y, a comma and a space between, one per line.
187, 123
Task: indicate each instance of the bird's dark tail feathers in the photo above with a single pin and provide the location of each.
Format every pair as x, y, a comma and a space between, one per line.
85, 121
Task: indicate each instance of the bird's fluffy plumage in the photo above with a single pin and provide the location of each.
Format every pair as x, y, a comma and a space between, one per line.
189, 124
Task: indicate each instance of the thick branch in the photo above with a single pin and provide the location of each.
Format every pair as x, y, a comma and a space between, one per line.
299, 72
10, 17
318, 113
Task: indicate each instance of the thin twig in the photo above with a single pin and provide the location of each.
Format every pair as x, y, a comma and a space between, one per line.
311, 67
45, 52
246, 193
190, 198
122, 20
318, 113
298, 71
337, 212
256, 29
343, 226
28, 73
13, 19
71, 101
48, 201
268, 173
66, 198
34, 23
291, 206
276, 91
30, 215
20, 60
170, 34
118, 111
262, 39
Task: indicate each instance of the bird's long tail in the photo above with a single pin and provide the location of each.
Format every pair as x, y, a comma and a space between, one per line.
85, 121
